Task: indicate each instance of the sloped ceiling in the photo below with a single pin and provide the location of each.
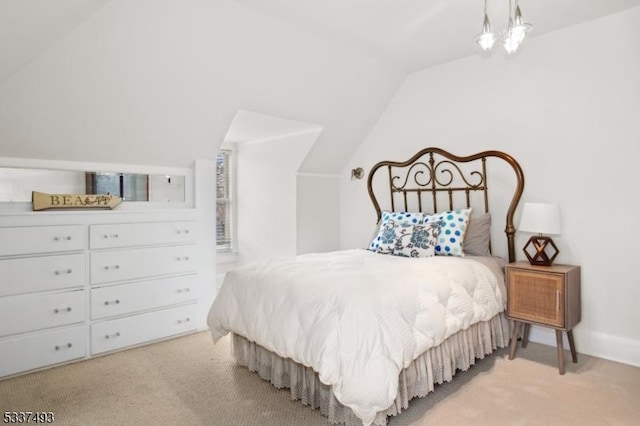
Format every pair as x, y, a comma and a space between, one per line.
160, 81
417, 34
410, 34
29, 27
249, 126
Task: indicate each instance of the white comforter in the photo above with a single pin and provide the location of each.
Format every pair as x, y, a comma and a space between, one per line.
357, 317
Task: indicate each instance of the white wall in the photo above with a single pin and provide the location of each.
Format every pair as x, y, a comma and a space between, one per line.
17, 184
318, 215
159, 81
166, 188
567, 108
205, 203
266, 195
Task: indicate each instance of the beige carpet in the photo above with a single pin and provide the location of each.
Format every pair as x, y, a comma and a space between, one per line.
187, 381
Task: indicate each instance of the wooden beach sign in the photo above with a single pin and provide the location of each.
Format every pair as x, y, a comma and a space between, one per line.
42, 201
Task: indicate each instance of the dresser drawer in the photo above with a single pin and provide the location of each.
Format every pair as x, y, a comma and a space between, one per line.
127, 298
119, 333
41, 239
139, 263
41, 273
29, 312
47, 348
139, 234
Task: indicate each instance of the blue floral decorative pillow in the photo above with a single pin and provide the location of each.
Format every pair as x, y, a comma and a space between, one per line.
404, 218
409, 240
454, 227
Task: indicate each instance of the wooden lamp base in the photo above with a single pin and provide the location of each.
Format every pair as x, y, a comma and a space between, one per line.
536, 250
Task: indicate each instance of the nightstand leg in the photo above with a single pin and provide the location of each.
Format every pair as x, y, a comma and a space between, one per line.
525, 335
560, 351
572, 345
514, 339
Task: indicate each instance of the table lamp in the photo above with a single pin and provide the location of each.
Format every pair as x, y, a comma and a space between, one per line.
540, 218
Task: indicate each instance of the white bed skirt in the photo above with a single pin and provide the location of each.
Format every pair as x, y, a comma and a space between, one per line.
435, 366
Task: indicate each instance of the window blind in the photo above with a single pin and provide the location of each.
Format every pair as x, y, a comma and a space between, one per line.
223, 201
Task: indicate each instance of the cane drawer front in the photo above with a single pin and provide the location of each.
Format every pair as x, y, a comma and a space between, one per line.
130, 264
19, 314
28, 275
140, 234
124, 299
536, 297
27, 352
41, 239
119, 333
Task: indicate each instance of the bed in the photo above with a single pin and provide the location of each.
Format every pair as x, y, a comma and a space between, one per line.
358, 333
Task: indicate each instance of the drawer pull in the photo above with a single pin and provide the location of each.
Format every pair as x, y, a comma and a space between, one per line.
63, 271
184, 320
184, 290
106, 268
112, 302
112, 336
65, 238
67, 346
182, 231
57, 311
111, 236
180, 258
557, 300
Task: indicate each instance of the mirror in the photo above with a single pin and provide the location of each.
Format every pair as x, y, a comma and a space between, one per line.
16, 184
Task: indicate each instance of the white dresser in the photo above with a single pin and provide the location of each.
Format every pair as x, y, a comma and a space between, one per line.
78, 284
42, 296
143, 282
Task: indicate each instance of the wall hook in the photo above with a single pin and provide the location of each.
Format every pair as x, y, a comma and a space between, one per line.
357, 173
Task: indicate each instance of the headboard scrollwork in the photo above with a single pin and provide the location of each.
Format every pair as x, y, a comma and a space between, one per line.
434, 171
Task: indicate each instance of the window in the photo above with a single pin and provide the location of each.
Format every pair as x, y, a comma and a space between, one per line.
223, 201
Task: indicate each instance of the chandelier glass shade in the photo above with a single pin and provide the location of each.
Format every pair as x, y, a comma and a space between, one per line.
512, 37
486, 39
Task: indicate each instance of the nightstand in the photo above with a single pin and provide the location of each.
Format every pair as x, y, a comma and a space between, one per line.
547, 296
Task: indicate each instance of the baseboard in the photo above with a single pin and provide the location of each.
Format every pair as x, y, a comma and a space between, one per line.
601, 345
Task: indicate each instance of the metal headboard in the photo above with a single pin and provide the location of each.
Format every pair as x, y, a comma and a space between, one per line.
433, 171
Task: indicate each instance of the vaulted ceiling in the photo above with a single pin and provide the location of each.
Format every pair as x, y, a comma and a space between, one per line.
417, 34
29, 27
116, 80
410, 34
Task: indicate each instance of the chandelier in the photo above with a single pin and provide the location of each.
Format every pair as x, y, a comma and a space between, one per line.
512, 37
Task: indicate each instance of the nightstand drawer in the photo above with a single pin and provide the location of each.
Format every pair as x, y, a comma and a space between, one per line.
536, 297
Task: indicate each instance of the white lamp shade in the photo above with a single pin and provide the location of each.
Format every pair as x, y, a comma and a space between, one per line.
540, 218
